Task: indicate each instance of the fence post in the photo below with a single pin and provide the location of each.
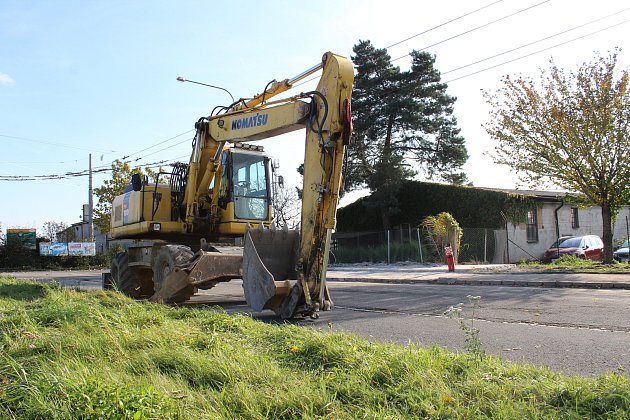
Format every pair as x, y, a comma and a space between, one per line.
485, 245
420, 246
454, 245
388, 254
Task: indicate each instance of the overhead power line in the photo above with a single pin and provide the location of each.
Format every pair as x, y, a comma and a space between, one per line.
443, 24
421, 33
56, 144
106, 168
157, 144
40, 163
157, 151
96, 169
538, 41
77, 160
476, 28
538, 52
69, 175
455, 36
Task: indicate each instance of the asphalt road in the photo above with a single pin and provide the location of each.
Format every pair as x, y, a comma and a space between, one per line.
570, 330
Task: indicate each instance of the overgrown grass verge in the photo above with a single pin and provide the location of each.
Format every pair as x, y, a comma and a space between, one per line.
68, 354
571, 263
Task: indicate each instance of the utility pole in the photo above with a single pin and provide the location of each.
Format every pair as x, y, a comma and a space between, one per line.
90, 206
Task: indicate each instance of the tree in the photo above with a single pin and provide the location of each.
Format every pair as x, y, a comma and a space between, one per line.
286, 207
401, 118
2, 238
51, 229
121, 176
572, 130
403, 124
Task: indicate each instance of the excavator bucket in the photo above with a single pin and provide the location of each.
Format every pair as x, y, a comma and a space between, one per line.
269, 270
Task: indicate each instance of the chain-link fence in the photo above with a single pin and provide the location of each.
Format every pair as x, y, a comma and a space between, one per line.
477, 245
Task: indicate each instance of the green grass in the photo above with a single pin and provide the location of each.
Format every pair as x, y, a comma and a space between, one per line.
571, 263
66, 354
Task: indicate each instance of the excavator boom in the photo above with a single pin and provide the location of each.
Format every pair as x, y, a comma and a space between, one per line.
281, 270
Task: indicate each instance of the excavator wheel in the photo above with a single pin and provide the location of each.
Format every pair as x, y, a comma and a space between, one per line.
169, 257
135, 282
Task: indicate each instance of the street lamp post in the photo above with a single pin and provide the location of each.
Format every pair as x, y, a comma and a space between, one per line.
181, 79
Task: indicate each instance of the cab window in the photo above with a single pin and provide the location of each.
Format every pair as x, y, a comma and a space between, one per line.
250, 186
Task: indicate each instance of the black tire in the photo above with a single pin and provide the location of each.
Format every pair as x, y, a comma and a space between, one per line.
135, 282
107, 281
169, 257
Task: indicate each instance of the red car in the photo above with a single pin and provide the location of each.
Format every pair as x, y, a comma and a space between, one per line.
588, 247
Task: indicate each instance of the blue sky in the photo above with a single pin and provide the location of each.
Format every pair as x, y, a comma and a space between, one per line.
99, 76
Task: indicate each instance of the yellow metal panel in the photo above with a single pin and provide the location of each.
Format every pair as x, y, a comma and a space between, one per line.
142, 228
128, 208
260, 123
322, 169
230, 226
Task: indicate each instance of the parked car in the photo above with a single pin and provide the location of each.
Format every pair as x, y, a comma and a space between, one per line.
589, 247
621, 254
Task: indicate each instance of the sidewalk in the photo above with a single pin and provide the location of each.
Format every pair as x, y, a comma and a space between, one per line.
475, 275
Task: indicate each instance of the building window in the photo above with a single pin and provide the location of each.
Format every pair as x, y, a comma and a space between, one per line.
575, 221
532, 226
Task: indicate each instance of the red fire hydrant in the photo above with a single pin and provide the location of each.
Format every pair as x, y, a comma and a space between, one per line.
450, 259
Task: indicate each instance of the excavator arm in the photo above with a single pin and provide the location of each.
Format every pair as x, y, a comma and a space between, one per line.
283, 270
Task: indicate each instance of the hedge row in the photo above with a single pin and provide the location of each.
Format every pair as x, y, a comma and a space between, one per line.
471, 207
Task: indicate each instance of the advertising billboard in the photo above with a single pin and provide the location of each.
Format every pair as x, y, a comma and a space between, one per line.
82, 249
61, 249
53, 249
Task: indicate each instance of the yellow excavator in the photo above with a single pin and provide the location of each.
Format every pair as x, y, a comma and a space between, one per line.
211, 220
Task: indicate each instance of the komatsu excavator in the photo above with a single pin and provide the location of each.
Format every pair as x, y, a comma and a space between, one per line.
185, 233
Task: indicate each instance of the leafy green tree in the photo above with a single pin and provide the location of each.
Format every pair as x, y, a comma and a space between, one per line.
121, 177
403, 125
570, 130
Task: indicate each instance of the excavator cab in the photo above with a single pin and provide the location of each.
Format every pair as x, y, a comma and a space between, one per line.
244, 191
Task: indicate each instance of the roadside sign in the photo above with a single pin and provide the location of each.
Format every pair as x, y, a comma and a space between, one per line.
60, 249
26, 237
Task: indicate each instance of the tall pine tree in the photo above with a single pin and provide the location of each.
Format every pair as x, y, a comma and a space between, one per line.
403, 125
